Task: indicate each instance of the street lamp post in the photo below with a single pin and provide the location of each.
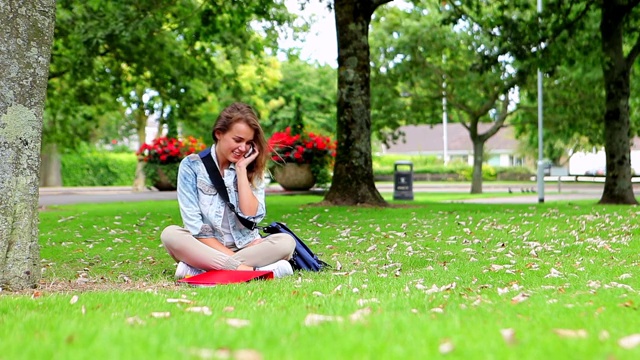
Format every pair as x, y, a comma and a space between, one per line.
445, 139
540, 177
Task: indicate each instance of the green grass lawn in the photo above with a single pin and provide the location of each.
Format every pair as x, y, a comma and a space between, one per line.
424, 279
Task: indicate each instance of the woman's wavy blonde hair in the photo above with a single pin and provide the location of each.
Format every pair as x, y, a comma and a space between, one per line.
241, 112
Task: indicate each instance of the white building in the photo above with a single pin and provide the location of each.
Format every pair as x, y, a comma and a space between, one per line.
501, 148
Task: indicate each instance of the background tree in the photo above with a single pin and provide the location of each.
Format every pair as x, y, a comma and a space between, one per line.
25, 48
353, 172
619, 21
520, 37
417, 54
173, 54
573, 107
317, 94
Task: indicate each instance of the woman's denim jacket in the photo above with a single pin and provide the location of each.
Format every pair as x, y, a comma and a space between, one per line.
202, 209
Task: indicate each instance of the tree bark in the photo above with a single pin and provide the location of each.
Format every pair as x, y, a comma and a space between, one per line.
25, 49
478, 153
139, 182
616, 70
50, 166
353, 181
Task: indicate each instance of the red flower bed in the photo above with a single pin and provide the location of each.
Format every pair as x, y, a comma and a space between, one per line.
165, 150
301, 149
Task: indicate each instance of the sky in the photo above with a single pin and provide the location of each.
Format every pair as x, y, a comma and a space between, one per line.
320, 43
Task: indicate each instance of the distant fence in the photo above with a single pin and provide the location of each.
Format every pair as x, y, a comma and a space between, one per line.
580, 178
455, 177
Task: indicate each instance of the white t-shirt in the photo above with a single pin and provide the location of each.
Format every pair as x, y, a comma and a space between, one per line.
228, 241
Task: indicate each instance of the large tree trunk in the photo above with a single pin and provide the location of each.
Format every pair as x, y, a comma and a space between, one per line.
25, 49
353, 171
139, 182
478, 153
50, 166
617, 187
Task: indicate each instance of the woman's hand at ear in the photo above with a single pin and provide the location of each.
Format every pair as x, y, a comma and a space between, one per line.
246, 200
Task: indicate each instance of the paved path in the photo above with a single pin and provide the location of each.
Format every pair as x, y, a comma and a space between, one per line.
568, 191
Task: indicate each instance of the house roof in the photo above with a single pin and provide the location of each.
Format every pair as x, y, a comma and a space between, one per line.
429, 139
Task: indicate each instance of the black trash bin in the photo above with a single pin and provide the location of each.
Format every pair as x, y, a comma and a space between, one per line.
403, 180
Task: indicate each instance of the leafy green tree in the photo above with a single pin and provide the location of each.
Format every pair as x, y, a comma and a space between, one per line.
180, 52
25, 48
573, 107
522, 36
315, 87
425, 61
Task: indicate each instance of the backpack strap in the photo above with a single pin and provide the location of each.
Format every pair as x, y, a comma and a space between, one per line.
216, 179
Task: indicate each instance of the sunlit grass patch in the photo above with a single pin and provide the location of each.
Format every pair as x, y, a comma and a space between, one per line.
423, 280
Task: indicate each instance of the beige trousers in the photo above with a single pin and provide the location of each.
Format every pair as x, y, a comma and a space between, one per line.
182, 246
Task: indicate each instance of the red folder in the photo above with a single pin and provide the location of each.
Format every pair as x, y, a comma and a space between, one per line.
220, 277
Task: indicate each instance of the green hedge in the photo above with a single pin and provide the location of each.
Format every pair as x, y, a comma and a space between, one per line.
383, 168
103, 168
94, 168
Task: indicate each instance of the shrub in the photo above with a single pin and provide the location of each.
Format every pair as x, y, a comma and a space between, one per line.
89, 167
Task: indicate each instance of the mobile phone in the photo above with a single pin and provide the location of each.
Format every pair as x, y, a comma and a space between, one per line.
249, 152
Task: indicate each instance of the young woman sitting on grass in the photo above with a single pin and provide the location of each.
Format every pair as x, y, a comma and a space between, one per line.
212, 237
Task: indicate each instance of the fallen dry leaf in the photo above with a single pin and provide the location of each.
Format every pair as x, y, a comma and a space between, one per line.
134, 320
553, 273
509, 336
246, 354
519, 298
199, 309
184, 301
360, 314
628, 303
237, 322
165, 314
74, 299
210, 353
571, 334
362, 302
446, 347
316, 319
629, 342
225, 353
317, 293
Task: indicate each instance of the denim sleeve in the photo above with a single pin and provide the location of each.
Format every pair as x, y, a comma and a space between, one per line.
188, 198
259, 193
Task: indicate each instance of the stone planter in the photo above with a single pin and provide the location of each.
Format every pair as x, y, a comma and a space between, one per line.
163, 183
294, 177
164, 177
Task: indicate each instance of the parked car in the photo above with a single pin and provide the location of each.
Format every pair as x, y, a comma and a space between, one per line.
599, 171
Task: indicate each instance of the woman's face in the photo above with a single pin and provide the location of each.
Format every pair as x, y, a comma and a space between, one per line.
235, 143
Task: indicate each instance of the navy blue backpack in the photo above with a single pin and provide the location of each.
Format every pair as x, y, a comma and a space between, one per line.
303, 258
